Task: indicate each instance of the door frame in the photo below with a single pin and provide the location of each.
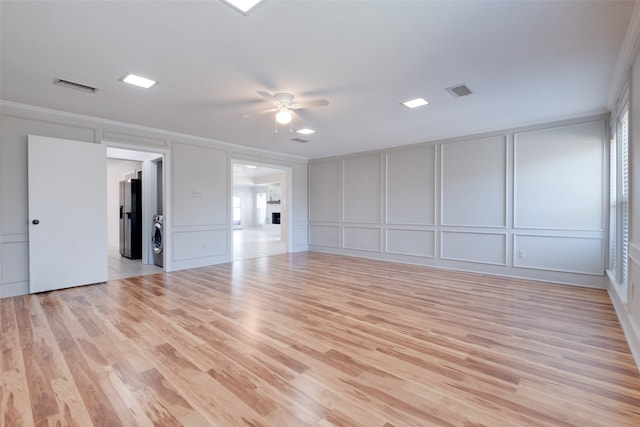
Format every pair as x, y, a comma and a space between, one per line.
288, 206
147, 221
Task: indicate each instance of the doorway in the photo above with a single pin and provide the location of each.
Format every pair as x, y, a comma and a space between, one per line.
123, 167
260, 222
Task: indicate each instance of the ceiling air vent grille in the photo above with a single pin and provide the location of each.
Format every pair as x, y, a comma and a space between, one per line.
300, 140
74, 85
459, 90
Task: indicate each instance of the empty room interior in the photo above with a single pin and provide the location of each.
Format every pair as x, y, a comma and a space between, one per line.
319, 213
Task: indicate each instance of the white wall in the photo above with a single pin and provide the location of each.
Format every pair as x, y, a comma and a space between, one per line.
527, 203
247, 204
198, 206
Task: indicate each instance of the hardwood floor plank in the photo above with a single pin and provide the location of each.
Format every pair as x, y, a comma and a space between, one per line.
38, 369
312, 339
91, 382
14, 391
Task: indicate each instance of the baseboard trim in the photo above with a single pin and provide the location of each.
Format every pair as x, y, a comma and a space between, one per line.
631, 333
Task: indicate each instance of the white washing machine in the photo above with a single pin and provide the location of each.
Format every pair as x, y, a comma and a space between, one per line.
157, 240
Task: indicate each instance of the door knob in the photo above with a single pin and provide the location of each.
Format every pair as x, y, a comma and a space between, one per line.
35, 222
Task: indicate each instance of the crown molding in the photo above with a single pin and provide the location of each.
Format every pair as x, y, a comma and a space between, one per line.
626, 58
176, 136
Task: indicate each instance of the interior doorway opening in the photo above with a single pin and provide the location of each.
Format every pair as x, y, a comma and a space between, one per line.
260, 221
135, 204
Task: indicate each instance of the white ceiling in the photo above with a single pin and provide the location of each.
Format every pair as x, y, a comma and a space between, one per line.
241, 170
526, 62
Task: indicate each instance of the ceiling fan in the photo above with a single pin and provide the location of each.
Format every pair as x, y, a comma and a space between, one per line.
284, 106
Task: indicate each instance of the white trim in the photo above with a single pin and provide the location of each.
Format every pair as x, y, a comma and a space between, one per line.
192, 138
288, 199
386, 243
517, 264
165, 153
625, 58
503, 263
631, 332
505, 196
363, 227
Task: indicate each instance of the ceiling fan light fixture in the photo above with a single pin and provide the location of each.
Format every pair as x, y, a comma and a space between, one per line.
284, 117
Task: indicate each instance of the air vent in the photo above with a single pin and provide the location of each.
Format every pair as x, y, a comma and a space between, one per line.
460, 90
300, 140
74, 85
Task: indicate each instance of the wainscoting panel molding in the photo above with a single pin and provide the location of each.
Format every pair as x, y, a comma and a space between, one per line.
199, 244
487, 248
474, 183
362, 189
411, 242
568, 192
363, 239
411, 186
324, 190
583, 255
324, 235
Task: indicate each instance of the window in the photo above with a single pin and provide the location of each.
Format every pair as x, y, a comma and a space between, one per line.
261, 207
236, 210
613, 202
619, 203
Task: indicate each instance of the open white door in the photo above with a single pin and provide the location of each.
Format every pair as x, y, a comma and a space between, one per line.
67, 213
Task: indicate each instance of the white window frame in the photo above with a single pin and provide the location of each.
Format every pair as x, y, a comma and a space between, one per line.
619, 200
237, 210
261, 206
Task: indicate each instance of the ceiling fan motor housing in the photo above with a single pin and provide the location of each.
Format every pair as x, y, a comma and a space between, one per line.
285, 99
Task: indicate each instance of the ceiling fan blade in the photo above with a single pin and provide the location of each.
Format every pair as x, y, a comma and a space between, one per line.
257, 113
310, 104
265, 94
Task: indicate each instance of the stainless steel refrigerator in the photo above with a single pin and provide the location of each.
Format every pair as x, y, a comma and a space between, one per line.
131, 218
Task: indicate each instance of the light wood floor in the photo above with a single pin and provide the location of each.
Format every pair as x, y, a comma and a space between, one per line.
247, 243
318, 340
257, 242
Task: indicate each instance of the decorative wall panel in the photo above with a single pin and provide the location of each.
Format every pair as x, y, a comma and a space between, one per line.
364, 239
324, 191
199, 244
474, 182
411, 186
569, 254
411, 242
200, 185
324, 235
488, 248
362, 189
559, 178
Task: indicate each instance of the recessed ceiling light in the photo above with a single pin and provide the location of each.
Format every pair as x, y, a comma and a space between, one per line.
242, 6
132, 79
414, 103
306, 131
251, 166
